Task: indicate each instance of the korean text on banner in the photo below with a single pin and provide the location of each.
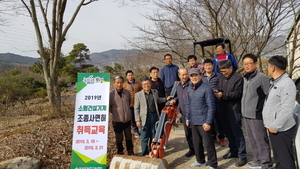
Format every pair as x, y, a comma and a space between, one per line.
89, 147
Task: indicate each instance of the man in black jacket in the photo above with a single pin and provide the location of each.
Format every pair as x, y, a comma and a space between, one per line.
230, 95
158, 84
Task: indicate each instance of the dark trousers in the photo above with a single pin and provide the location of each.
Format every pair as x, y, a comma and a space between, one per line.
201, 137
218, 120
233, 131
133, 123
148, 133
119, 129
160, 107
168, 92
188, 134
282, 145
259, 142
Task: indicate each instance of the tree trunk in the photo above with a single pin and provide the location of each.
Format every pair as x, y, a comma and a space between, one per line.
53, 92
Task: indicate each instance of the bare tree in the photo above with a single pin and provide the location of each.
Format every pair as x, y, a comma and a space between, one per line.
56, 29
141, 62
293, 44
249, 24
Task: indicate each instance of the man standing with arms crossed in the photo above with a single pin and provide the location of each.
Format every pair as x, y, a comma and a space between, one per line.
278, 113
256, 87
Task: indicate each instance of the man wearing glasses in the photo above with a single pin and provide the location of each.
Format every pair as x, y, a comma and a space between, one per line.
256, 87
230, 95
146, 113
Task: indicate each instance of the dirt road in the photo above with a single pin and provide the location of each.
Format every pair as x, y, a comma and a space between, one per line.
177, 147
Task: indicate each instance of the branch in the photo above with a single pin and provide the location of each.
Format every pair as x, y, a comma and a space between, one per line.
88, 2
26, 6
44, 14
74, 16
273, 50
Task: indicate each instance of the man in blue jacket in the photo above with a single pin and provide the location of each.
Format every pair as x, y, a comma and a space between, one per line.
200, 110
169, 74
221, 55
212, 78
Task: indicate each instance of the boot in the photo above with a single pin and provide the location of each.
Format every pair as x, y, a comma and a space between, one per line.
120, 148
130, 152
129, 147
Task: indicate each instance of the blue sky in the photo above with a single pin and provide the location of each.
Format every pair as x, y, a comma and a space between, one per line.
99, 25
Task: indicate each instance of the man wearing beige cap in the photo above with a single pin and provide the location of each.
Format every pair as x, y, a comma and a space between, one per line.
200, 110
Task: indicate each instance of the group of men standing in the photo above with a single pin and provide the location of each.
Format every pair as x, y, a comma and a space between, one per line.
213, 92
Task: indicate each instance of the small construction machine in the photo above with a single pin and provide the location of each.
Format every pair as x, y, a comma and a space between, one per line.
162, 132
212, 42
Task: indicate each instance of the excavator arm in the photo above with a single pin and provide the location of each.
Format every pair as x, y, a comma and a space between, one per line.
162, 132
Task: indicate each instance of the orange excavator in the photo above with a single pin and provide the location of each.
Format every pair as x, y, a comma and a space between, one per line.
162, 132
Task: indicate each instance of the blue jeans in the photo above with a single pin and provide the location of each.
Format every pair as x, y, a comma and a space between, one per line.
148, 133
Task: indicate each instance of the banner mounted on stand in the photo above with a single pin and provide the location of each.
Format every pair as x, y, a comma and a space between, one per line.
89, 147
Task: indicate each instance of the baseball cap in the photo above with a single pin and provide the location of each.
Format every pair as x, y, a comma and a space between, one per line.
194, 71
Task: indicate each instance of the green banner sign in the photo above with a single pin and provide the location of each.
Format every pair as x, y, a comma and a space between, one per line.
89, 147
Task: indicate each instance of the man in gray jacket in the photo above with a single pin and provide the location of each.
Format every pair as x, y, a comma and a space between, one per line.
146, 113
278, 113
256, 87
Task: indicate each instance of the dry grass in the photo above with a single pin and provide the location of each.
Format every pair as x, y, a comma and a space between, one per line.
29, 130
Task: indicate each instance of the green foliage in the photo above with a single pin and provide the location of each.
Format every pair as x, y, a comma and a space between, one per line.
16, 86
117, 69
42, 92
76, 62
70, 65
14, 72
92, 69
79, 54
37, 67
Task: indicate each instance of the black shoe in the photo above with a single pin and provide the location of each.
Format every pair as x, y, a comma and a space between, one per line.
241, 162
190, 153
229, 155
